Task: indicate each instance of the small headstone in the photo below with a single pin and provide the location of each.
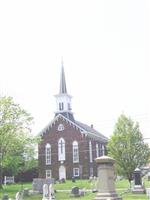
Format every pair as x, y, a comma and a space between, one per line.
5, 197
138, 186
45, 192
17, 196
51, 192
82, 192
75, 192
26, 192
62, 180
148, 192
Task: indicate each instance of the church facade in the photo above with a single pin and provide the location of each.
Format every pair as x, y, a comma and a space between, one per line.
68, 148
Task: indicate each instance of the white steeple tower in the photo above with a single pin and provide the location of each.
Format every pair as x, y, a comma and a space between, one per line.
63, 99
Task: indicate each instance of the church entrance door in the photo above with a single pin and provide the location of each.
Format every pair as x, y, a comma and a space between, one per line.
62, 172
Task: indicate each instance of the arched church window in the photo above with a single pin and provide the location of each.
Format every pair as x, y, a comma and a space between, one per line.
75, 151
61, 149
97, 150
61, 106
90, 152
103, 150
48, 154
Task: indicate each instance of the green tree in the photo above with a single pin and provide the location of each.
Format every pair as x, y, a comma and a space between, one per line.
127, 147
15, 139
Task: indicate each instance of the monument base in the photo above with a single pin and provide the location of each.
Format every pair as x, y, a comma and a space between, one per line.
138, 189
107, 196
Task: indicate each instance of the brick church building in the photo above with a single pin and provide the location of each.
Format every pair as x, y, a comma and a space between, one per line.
68, 148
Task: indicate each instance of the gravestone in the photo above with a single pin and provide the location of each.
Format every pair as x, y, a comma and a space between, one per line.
148, 192
51, 192
18, 196
38, 183
75, 192
106, 179
137, 183
45, 192
5, 197
48, 192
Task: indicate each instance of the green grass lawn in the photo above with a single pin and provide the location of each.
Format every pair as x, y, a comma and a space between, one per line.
121, 187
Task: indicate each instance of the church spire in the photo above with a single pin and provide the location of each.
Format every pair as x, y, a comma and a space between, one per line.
63, 99
63, 88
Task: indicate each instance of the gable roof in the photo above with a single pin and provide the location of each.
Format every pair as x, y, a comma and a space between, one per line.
84, 129
92, 131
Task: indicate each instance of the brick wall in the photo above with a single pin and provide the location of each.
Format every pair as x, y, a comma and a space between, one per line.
69, 134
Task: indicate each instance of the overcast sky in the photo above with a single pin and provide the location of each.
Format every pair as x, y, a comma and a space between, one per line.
105, 49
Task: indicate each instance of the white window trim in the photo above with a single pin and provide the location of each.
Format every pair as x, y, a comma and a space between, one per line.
61, 150
75, 147
76, 170
97, 150
90, 152
91, 171
48, 171
103, 150
48, 154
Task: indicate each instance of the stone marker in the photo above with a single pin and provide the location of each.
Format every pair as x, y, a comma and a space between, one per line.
106, 179
5, 197
75, 192
51, 192
19, 195
45, 192
148, 192
48, 192
38, 183
138, 186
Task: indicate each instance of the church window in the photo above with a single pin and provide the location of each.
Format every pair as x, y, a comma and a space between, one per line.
75, 172
97, 150
60, 127
75, 151
48, 173
61, 149
103, 150
48, 154
91, 171
61, 106
90, 151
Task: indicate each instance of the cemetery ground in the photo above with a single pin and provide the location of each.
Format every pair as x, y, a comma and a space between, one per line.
62, 190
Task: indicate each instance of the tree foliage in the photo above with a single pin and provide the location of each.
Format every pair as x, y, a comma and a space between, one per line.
16, 142
127, 147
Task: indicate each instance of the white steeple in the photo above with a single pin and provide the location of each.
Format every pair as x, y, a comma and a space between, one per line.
63, 99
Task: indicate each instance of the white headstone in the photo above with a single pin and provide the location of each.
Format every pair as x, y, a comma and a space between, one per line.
17, 196
51, 192
45, 192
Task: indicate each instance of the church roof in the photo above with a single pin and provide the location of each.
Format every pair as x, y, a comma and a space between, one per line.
91, 131
84, 129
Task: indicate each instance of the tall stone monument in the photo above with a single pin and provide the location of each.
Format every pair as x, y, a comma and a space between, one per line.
106, 179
